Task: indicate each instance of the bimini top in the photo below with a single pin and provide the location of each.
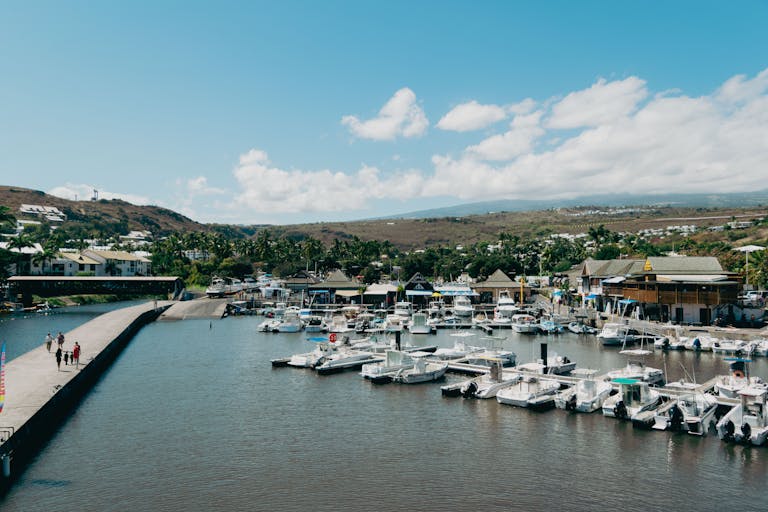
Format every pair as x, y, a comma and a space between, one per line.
626, 381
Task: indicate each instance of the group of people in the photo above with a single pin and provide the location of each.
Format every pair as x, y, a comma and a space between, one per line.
72, 356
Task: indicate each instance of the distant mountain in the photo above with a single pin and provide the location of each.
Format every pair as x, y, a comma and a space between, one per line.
733, 200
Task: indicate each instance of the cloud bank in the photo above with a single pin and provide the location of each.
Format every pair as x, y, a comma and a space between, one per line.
400, 116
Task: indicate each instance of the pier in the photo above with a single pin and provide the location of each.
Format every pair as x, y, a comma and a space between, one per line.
39, 398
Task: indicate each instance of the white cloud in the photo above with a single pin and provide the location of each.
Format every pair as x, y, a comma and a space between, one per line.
264, 188
604, 102
524, 107
471, 116
199, 187
83, 192
400, 116
517, 141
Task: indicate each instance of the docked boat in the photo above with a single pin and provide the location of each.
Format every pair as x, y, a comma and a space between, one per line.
693, 413
549, 325
633, 398
505, 309
344, 359
419, 325
404, 309
340, 324
290, 321
738, 378
322, 350
314, 323
459, 349
732, 347
587, 395
532, 391
580, 328
462, 307
422, 371
384, 371
636, 369
524, 323
746, 422
394, 323
701, 343
218, 288
488, 384
614, 334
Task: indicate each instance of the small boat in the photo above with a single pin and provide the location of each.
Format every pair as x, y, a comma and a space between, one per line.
218, 288
587, 395
403, 308
322, 350
505, 309
419, 325
634, 397
636, 369
459, 349
524, 323
422, 371
746, 422
580, 328
344, 359
614, 334
488, 384
701, 343
732, 347
290, 322
532, 391
548, 325
738, 379
313, 323
384, 371
692, 413
556, 365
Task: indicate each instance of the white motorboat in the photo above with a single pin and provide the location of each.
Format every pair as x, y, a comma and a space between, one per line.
692, 413
322, 350
738, 379
221, 286
549, 325
384, 371
459, 349
290, 322
614, 334
394, 323
524, 323
732, 347
746, 422
587, 395
342, 359
488, 384
760, 347
556, 365
580, 328
481, 358
700, 343
314, 323
634, 397
403, 308
419, 325
532, 391
636, 369
462, 307
422, 371
269, 325
339, 324
505, 309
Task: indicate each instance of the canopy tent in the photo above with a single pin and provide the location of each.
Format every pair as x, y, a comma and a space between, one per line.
453, 291
348, 293
746, 250
424, 293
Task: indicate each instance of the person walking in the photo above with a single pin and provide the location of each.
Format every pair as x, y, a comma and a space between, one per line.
58, 358
66, 358
60, 339
76, 355
48, 341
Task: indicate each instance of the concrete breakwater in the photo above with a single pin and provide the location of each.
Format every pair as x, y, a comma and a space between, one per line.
39, 397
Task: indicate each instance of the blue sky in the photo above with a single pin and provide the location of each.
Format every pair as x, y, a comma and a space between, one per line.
284, 112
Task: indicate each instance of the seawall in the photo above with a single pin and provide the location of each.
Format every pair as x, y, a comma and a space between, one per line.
39, 397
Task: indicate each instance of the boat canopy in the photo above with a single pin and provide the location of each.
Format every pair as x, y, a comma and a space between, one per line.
411, 293
626, 381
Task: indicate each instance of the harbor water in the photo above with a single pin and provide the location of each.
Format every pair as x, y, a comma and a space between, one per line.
192, 417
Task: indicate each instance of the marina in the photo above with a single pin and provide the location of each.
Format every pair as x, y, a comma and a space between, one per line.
290, 406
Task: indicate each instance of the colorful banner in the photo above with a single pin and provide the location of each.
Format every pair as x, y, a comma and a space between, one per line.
2, 378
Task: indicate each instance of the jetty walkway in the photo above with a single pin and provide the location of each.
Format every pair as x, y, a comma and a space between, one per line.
38, 396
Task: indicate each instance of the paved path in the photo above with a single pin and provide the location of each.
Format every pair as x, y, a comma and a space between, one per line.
32, 379
198, 308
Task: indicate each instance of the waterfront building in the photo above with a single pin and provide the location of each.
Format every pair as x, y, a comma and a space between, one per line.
337, 287
119, 263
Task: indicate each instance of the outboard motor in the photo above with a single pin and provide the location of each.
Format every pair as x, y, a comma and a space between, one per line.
696, 344
470, 390
570, 404
675, 418
746, 432
730, 428
620, 411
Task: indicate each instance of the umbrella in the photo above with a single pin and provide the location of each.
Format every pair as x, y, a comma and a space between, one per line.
746, 250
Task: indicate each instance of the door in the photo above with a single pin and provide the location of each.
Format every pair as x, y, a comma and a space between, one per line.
705, 316
679, 315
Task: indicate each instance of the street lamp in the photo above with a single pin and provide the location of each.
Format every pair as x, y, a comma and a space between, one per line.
746, 250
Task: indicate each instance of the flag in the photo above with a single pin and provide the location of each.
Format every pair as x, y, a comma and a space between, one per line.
2, 377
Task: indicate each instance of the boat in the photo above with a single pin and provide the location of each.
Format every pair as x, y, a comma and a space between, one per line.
738, 378
587, 395
692, 413
422, 371
488, 384
524, 323
419, 325
732, 347
322, 350
384, 371
700, 343
290, 322
636, 369
459, 349
403, 308
614, 334
395, 323
269, 325
532, 391
580, 328
339, 324
634, 397
505, 309
218, 288
313, 323
746, 422
548, 325
556, 365
344, 358
462, 307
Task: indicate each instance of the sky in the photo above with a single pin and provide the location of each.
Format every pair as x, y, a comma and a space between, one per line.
304, 111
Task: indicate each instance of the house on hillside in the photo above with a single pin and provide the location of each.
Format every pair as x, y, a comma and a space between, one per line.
73, 264
119, 263
496, 283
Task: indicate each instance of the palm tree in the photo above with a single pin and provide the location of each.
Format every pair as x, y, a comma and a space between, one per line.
6, 217
49, 252
20, 242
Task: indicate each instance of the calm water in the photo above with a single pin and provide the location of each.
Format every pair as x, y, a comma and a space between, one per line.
194, 418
